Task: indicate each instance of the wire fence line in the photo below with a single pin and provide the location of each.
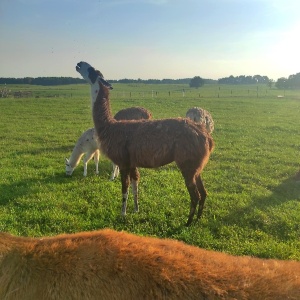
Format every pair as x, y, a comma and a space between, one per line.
209, 93
127, 91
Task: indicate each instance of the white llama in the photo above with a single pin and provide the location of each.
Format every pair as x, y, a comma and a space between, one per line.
89, 144
200, 115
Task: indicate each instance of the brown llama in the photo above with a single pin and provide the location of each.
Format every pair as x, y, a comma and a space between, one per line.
149, 144
107, 264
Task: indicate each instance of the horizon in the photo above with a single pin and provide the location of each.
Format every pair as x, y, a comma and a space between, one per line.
133, 79
159, 39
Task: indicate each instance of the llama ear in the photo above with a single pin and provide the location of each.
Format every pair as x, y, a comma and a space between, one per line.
105, 83
66, 160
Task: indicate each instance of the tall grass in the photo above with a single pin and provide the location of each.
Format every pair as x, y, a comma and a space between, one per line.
253, 203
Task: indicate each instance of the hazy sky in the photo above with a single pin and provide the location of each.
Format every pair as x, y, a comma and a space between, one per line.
150, 38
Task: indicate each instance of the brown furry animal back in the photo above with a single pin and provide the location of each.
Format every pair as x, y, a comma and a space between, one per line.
108, 265
133, 113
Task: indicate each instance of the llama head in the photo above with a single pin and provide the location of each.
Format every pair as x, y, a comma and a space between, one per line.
91, 75
69, 169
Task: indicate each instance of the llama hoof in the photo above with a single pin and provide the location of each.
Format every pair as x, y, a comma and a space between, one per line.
199, 216
189, 222
136, 208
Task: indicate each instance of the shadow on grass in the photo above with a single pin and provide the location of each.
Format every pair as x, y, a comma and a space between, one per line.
258, 215
24, 187
28, 186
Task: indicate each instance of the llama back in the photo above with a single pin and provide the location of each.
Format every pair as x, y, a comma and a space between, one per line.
163, 141
106, 264
133, 113
88, 140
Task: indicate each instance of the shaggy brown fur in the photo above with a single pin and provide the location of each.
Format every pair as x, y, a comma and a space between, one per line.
108, 265
133, 113
149, 144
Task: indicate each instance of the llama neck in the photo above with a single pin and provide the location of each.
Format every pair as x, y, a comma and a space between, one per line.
75, 157
101, 109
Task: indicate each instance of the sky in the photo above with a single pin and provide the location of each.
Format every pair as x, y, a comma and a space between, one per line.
150, 39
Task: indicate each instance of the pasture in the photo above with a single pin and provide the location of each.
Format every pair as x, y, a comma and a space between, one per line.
253, 203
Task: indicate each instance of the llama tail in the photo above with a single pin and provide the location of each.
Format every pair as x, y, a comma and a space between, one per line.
211, 143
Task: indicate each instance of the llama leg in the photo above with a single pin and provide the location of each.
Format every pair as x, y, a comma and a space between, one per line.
96, 160
125, 179
87, 158
84, 168
190, 182
134, 186
203, 194
112, 176
115, 171
135, 177
195, 198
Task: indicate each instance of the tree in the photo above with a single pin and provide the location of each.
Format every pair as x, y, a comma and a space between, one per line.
282, 83
294, 81
196, 82
270, 83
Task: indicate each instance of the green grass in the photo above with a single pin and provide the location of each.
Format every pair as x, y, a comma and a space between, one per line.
253, 204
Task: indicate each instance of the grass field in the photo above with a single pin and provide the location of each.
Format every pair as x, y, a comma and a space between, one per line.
253, 205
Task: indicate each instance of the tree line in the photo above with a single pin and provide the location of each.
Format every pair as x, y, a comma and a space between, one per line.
70, 80
243, 79
42, 80
292, 82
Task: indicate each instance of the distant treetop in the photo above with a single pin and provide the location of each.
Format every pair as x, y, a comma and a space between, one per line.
42, 80
243, 79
